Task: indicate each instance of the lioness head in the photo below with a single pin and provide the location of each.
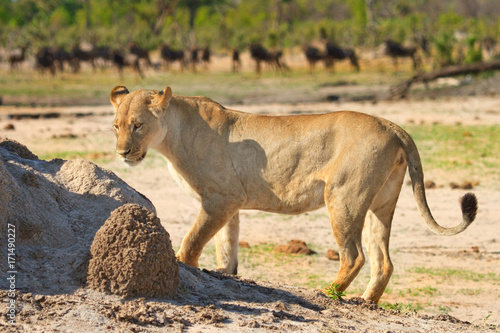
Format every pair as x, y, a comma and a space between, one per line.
137, 124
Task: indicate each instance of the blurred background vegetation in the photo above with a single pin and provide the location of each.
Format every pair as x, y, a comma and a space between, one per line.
227, 24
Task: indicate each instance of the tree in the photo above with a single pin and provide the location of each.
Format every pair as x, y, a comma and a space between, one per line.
154, 13
194, 5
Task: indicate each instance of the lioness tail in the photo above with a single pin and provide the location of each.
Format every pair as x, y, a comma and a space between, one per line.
468, 202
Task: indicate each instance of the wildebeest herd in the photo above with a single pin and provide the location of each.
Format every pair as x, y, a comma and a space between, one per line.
134, 57
58, 59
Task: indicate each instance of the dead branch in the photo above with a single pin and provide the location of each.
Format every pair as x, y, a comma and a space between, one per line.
401, 90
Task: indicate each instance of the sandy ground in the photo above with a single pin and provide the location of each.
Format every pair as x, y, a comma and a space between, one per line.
463, 269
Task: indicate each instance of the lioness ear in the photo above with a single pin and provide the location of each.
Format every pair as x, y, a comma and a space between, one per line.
160, 101
117, 95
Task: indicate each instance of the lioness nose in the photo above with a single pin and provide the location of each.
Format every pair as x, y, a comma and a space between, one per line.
123, 152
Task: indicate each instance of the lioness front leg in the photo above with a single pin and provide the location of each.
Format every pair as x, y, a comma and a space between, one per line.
226, 246
211, 218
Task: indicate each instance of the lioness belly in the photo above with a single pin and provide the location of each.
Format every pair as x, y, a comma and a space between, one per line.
294, 198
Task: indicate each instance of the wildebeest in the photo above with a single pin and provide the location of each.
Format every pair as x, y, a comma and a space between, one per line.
236, 62
272, 58
78, 55
170, 55
396, 50
205, 57
16, 57
102, 55
140, 52
61, 56
334, 52
194, 59
45, 59
313, 55
121, 61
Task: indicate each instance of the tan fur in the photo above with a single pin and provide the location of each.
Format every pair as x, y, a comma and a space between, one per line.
229, 160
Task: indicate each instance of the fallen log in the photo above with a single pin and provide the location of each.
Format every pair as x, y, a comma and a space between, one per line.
401, 90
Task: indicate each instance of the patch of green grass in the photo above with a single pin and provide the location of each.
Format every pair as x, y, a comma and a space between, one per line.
424, 291
316, 280
446, 273
403, 307
457, 148
261, 248
444, 309
97, 157
207, 259
469, 291
223, 86
388, 291
86, 84
333, 292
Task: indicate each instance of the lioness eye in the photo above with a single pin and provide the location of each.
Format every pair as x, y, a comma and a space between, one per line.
115, 127
137, 126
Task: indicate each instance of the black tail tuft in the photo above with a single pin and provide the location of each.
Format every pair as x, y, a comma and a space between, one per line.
469, 207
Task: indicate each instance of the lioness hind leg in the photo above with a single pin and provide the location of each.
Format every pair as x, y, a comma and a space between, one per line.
348, 198
376, 236
377, 232
348, 238
226, 246
347, 227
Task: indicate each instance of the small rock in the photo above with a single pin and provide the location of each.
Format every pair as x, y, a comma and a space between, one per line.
466, 186
244, 245
64, 136
39, 298
429, 184
332, 255
295, 247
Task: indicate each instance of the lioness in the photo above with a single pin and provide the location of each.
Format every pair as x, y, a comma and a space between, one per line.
230, 160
